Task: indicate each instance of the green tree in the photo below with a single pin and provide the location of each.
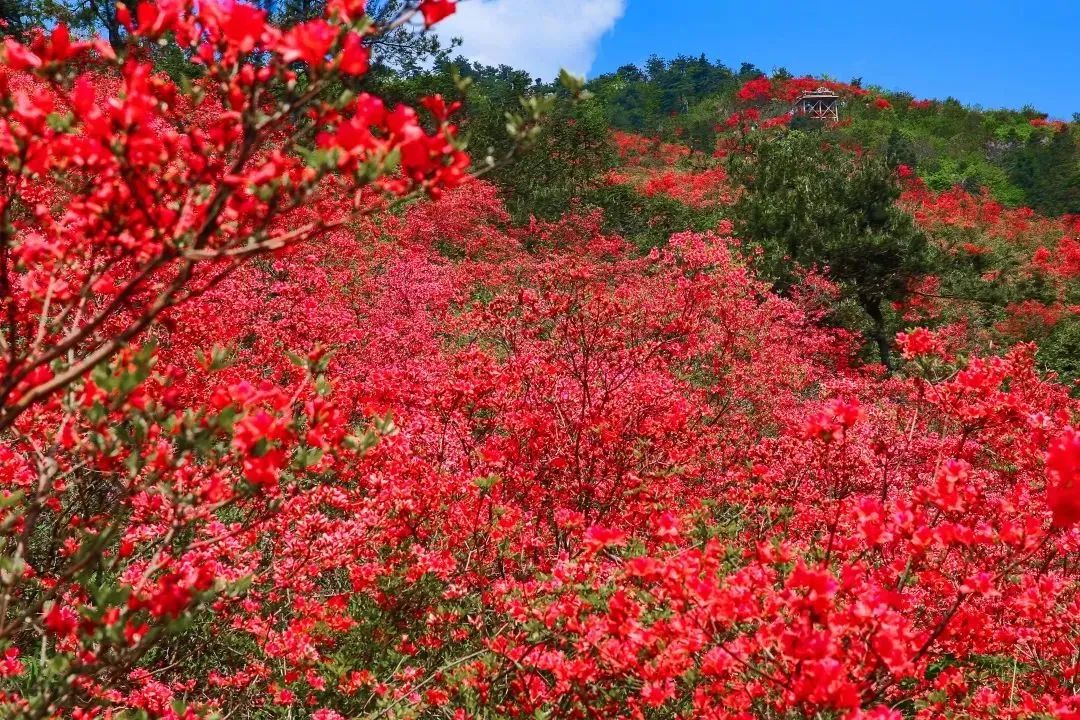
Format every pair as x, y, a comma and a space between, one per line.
625, 94
1059, 352
899, 150
85, 17
812, 204
14, 17
564, 157
561, 165
1047, 168
647, 221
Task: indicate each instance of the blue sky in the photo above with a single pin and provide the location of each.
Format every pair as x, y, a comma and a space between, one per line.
995, 53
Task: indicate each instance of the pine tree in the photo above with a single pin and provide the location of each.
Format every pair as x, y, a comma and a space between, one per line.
813, 205
14, 17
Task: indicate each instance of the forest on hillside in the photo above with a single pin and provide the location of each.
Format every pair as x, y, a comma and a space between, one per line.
343, 377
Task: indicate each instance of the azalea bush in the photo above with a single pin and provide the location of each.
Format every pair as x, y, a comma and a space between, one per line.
122, 196
298, 422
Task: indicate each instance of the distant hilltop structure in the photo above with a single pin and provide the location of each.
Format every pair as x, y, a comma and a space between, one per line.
820, 104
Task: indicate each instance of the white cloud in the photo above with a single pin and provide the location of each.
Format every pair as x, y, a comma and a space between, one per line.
540, 36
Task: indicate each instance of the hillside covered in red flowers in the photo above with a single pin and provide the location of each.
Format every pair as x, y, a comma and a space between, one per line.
299, 421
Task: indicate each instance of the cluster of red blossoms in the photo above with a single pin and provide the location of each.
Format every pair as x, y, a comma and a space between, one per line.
765, 89
427, 464
1009, 245
768, 105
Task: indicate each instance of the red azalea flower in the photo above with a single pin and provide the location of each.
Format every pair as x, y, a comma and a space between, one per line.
1063, 476
436, 10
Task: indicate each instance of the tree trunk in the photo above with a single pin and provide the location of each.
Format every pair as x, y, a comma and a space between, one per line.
872, 306
105, 11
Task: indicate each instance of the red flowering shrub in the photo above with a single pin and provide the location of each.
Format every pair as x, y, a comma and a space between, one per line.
637, 150
919, 342
760, 88
1017, 270
1063, 471
707, 188
763, 89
